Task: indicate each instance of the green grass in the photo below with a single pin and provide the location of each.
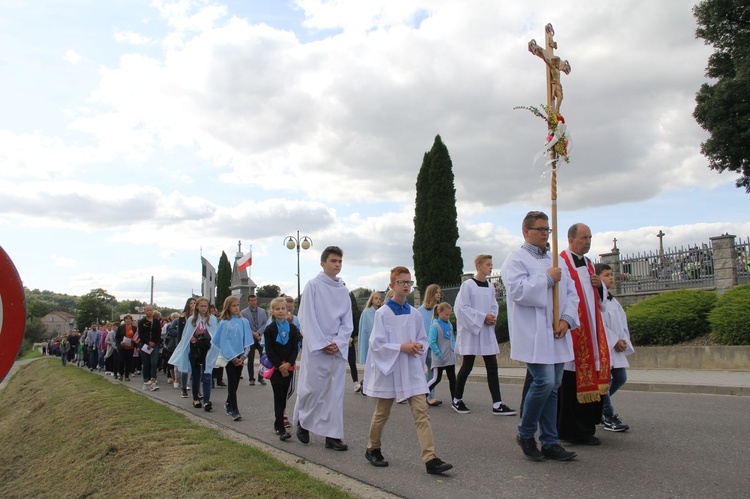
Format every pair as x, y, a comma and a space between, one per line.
31, 354
66, 433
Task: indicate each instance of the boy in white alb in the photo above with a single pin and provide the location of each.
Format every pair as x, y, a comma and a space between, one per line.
395, 369
476, 313
618, 338
325, 315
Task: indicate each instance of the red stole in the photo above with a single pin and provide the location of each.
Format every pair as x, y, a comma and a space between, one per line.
590, 383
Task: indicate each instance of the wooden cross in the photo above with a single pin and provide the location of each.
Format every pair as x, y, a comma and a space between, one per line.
554, 100
554, 66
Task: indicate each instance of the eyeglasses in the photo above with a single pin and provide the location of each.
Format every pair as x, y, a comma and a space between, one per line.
543, 230
405, 283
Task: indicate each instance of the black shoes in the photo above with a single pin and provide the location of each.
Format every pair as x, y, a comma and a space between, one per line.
208, 406
376, 458
303, 435
529, 448
335, 444
435, 466
283, 434
556, 452
587, 440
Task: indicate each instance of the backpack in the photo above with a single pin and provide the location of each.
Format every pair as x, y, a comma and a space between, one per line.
171, 342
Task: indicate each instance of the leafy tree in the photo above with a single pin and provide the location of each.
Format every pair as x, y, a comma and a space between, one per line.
268, 291
437, 259
223, 281
723, 108
129, 307
39, 303
95, 306
35, 330
37, 308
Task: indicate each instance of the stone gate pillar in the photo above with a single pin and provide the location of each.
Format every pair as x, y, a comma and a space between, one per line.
725, 262
613, 260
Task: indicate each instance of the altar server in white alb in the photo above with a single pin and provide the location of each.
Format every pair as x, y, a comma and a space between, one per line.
620, 346
529, 278
476, 313
395, 369
325, 315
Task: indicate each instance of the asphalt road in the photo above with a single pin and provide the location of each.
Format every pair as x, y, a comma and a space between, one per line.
679, 445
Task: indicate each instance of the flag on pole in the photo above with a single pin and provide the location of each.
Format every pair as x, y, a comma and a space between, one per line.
245, 261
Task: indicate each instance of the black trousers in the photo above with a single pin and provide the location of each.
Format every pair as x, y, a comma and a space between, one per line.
233, 381
125, 358
450, 372
280, 386
575, 420
352, 357
251, 359
493, 382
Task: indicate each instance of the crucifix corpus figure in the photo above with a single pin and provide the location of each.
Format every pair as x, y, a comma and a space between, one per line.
554, 66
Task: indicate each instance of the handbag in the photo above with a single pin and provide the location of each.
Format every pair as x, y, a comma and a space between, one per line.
265, 362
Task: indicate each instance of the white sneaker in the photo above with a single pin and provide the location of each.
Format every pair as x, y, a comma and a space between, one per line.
357, 387
176, 384
154, 386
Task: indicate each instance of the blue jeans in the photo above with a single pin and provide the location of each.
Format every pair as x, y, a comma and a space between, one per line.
64, 358
619, 377
149, 364
540, 404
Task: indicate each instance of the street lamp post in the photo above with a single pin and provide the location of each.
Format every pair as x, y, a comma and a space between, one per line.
292, 242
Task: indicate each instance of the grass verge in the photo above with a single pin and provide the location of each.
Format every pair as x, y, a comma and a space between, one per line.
33, 354
65, 433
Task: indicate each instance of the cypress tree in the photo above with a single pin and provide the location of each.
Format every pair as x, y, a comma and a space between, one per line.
223, 281
437, 259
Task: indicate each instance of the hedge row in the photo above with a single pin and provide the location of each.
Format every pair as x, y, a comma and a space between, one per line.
730, 319
678, 316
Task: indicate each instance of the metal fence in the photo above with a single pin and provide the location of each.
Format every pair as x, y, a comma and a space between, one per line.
690, 267
742, 250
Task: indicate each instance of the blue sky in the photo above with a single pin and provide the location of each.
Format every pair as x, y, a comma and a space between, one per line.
135, 134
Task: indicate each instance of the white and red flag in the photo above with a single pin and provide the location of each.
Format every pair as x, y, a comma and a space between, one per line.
245, 261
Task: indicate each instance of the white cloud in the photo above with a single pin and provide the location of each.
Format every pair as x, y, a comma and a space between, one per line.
131, 38
61, 261
72, 57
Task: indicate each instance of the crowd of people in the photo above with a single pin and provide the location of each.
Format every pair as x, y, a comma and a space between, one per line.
575, 361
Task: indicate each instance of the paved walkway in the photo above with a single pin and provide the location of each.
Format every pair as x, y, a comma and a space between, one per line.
663, 380
481, 446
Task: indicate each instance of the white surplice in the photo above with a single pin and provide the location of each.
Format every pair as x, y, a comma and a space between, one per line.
473, 303
530, 309
616, 324
390, 373
325, 315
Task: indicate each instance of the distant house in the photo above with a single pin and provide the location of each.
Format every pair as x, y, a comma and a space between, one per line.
58, 323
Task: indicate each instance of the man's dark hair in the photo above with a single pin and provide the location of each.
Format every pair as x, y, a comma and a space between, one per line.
331, 250
251, 296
